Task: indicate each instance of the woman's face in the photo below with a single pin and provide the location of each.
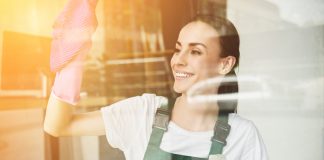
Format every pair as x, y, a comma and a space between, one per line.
196, 57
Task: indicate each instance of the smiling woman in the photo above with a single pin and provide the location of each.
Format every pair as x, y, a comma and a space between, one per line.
217, 60
206, 47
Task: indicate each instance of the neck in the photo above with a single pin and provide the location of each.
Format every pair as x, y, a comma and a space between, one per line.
194, 117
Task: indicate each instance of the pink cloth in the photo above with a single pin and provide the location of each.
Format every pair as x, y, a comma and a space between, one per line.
71, 41
72, 32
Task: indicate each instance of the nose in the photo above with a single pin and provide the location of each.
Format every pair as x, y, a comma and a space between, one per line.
180, 59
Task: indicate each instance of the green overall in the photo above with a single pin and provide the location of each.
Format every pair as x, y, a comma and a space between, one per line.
161, 121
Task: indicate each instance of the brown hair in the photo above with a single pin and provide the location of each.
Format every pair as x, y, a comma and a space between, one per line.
230, 43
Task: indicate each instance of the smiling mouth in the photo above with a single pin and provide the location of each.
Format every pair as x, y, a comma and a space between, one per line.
182, 75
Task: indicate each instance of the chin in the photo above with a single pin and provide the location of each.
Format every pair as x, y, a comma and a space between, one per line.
177, 90
182, 86
180, 89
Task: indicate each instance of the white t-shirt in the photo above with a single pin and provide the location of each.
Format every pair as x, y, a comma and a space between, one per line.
128, 126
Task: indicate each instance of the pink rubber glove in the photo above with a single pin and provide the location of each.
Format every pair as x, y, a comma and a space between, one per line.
71, 42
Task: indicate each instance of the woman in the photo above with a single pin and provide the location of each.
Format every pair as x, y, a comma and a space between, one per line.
206, 47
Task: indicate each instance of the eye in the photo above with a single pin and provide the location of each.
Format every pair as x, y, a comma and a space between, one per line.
176, 50
195, 52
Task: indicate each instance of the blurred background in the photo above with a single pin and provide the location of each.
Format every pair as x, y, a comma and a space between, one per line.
282, 49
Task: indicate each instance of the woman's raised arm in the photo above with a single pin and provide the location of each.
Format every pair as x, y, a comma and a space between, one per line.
71, 42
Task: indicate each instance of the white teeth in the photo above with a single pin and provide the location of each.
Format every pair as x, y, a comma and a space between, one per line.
182, 75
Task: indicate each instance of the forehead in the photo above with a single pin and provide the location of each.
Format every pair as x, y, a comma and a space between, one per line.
198, 32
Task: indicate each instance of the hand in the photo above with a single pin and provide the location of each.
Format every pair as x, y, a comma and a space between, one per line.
71, 42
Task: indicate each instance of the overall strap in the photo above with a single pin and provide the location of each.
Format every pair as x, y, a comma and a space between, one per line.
221, 132
160, 125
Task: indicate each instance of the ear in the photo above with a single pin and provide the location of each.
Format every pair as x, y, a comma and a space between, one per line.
226, 64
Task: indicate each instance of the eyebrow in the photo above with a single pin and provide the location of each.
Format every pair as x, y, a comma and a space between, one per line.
193, 44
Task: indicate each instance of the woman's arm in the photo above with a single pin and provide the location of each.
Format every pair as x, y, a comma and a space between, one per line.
61, 121
71, 42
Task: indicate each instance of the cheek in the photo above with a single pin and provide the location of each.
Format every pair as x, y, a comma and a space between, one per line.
213, 66
207, 67
172, 61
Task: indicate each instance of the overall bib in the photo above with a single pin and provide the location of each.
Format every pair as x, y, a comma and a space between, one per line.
161, 121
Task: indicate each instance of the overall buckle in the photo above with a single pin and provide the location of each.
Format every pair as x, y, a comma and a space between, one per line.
161, 119
221, 131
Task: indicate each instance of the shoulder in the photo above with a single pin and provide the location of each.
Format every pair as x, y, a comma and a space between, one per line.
154, 100
242, 129
132, 115
246, 137
240, 123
